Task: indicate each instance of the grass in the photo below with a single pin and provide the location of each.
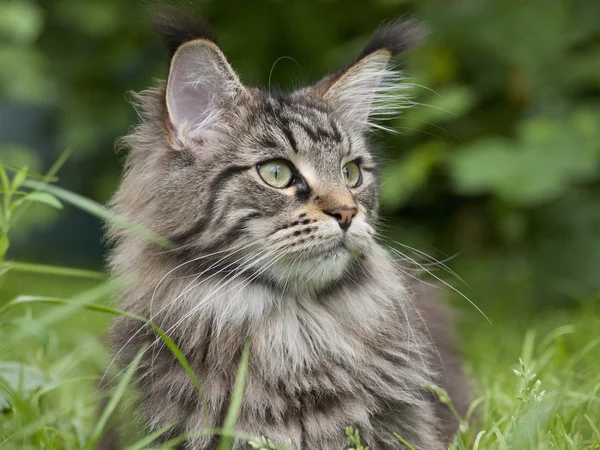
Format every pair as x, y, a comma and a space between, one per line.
537, 386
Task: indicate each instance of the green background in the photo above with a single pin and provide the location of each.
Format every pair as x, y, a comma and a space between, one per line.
496, 169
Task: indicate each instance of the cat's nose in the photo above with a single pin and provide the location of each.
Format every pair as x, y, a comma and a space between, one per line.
343, 215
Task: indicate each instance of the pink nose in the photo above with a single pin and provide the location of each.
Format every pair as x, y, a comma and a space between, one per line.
343, 215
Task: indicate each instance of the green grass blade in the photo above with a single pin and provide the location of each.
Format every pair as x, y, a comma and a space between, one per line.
98, 210
143, 443
70, 307
401, 439
6, 199
183, 361
528, 346
594, 428
60, 161
236, 401
24, 299
459, 442
52, 270
478, 440
501, 441
114, 400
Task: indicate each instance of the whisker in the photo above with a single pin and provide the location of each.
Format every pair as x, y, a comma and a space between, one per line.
219, 287
444, 282
273, 67
167, 332
152, 316
416, 309
435, 261
407, 320
436, 126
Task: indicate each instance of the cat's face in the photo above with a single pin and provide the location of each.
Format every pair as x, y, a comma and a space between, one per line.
280, 187
310, 190
290, 189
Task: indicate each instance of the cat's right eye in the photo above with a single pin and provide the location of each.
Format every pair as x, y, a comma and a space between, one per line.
277, 173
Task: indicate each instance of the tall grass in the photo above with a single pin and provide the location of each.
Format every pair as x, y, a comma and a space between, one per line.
540, 392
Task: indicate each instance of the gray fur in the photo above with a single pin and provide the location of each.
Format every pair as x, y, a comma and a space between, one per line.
337, 336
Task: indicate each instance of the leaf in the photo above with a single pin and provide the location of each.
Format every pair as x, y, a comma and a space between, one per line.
4, 179
20, 378
22, 22
18, 179
39, 197
4, 243
50, 176
548, 156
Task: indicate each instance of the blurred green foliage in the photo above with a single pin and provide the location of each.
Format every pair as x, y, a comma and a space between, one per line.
496, 171
499, 160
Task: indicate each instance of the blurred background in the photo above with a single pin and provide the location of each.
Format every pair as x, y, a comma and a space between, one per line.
496, 170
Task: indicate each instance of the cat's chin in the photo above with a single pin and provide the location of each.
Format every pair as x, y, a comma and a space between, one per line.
315, 271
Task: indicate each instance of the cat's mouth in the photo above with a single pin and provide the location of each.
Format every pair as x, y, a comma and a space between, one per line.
334, 251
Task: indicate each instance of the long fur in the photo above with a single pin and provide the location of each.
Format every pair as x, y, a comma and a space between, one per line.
338, 337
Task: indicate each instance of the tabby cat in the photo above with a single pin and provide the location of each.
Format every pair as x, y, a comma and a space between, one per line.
272, 201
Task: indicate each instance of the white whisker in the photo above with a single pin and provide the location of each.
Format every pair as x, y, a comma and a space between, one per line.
444, 282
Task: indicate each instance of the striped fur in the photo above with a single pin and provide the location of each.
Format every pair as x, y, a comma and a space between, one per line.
337, 337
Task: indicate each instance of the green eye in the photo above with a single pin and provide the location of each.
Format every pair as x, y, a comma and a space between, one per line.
351, 174
277, 173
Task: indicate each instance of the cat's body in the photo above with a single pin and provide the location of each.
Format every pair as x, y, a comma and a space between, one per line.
337, 337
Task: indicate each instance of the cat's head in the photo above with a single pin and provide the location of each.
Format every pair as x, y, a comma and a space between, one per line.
280, 186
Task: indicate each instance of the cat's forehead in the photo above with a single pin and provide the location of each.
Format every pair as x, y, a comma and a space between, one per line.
297, 126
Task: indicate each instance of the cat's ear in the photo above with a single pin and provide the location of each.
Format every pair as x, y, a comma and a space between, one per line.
202, 87
369, 89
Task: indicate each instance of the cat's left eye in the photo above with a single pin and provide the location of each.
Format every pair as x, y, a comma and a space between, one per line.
351, 174
277, 173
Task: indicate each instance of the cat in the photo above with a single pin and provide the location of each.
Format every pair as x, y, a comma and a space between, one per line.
272, 202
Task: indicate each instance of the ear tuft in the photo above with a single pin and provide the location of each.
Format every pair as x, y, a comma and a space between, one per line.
395, 37
368, 89
177, 26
